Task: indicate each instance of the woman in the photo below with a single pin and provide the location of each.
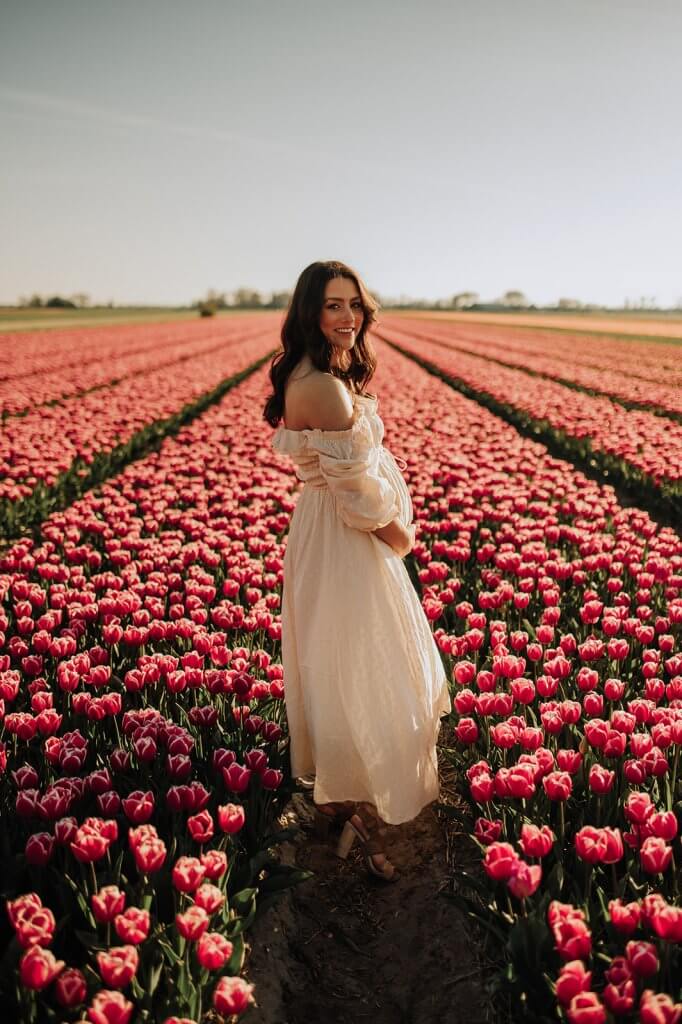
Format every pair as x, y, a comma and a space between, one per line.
364, 683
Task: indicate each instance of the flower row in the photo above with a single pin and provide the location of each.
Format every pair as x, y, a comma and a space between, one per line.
83, 370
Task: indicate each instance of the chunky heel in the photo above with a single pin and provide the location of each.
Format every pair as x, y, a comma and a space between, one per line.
348, 837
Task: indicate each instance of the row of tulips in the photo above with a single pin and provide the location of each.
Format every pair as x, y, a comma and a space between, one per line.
556, 360
71, 349
638, 450
184, 546
654, 361
559, 613
112, 363
144, 752
54, 454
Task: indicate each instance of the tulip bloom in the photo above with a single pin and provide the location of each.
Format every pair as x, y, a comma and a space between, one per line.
110, 1008
586, 1008
536, 841
118, 965
658, 1008
213, 950
499, 861
188, 874
132, 926
655, 855
558, 785
600, 779
139, 806
625, 917
209, 897
642, 958
107, 903
215, 863
573, 979
38, 967
231, 818
232, 995
524, 879
70, 988
192, 923
200, 826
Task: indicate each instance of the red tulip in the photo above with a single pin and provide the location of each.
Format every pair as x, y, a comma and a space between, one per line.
209, 897
524, 879
586, 1008
600, 779
536, 841
192, 923
200, 826
118, 965
558, 785
39, 848
231, 818
499, 861
188, 873
132, 926
70, 988
139, 806
38, 967
624, 916
213, 950
232, 995
655, 855
107, 903
642, 958
658, 1008
110, 1008
236, 778
573, 978
215, 863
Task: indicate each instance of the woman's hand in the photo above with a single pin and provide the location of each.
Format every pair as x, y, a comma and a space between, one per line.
399, 537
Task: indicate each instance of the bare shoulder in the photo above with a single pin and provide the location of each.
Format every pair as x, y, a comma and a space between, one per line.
317, 400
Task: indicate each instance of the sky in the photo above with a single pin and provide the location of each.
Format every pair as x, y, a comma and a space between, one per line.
155, 149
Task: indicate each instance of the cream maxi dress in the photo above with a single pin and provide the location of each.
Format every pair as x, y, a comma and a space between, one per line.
364, 682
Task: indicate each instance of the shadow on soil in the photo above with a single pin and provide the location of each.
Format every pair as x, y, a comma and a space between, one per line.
343, 948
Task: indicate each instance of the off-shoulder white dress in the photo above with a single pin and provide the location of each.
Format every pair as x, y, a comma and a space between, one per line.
364, 683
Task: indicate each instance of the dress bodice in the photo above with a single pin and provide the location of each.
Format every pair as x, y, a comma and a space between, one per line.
353, 464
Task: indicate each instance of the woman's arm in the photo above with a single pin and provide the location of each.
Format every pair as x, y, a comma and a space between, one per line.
396, 536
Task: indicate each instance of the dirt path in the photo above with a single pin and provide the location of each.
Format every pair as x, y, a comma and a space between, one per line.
342, 948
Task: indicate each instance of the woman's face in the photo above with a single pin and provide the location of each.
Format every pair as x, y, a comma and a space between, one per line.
342, 313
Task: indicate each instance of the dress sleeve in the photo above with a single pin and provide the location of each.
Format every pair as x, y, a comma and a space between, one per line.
350, 463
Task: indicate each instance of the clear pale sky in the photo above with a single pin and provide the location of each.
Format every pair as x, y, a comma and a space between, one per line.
153, 149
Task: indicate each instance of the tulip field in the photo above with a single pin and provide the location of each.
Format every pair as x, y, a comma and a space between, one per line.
144, 754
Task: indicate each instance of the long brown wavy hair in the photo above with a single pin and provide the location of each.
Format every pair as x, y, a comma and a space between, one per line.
301, 335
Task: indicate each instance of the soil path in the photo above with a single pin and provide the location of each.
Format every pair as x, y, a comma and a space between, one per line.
343, 948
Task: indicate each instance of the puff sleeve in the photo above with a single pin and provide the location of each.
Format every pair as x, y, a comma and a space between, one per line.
364, 498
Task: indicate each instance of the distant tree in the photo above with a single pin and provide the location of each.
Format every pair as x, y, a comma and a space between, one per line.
80, 299
462, 300
57, 302
247, 298
569, 304
279, 300
35, 301
514, 298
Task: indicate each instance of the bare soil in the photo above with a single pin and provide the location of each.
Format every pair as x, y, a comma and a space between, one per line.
343, 948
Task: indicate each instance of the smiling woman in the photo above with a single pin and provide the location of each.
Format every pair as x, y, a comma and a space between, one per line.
364, 683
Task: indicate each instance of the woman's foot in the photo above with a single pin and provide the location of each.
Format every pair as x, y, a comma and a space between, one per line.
333, 813
366, 825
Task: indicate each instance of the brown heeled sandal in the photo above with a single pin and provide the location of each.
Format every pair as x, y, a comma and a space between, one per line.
328, 815
366, 826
